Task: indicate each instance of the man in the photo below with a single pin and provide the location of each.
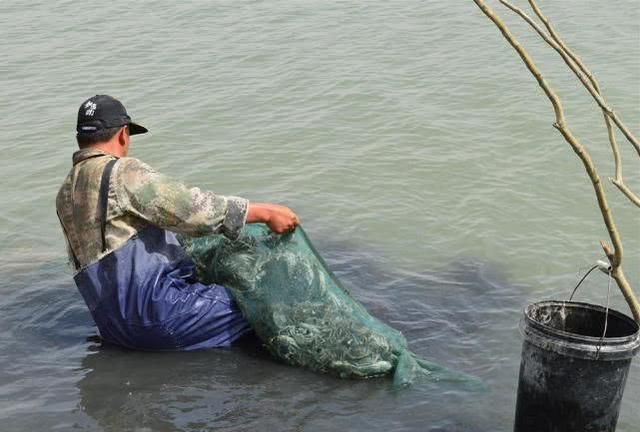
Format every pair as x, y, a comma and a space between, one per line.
119, 217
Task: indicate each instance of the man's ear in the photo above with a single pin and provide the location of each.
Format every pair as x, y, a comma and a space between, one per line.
122, 136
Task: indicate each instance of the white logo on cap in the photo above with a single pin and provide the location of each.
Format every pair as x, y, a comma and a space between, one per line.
90, 108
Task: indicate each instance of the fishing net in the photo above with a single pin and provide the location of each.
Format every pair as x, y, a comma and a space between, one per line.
299, 309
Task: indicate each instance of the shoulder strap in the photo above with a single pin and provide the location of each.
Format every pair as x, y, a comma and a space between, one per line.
103, 200
73, 254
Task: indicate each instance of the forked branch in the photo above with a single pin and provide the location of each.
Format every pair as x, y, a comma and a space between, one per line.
627, 133
586, 77
615, 255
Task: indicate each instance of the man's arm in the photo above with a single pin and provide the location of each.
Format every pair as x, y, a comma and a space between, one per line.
170, 204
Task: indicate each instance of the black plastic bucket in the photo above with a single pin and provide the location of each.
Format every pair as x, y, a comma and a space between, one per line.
571, 378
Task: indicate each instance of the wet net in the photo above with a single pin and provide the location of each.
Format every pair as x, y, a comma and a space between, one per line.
299, 309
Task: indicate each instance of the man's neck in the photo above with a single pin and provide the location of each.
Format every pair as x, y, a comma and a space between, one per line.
109, 147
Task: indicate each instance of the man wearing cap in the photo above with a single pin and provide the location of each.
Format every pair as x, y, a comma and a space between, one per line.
119, 217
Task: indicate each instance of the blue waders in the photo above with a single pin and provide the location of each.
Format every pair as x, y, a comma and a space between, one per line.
144, 295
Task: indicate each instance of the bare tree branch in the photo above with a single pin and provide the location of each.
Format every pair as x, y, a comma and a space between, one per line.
615, 256
581, 76
619, 183
579, 68
632, 139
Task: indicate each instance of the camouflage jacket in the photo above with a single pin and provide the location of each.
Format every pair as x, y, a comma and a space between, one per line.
138, 196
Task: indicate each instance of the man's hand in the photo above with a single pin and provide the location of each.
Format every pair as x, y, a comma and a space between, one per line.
279, 219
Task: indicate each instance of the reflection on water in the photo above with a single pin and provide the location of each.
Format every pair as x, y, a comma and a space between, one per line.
124, 390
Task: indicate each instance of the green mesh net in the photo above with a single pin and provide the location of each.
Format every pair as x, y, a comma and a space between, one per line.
299, 309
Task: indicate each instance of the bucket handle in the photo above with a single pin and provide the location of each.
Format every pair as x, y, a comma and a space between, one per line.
606, 268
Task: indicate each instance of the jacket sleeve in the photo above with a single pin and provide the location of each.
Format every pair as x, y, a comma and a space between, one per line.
169, 204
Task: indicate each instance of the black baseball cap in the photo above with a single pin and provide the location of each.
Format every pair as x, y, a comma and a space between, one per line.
104, 112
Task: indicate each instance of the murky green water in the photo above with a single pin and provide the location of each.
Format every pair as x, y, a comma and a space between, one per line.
417, 150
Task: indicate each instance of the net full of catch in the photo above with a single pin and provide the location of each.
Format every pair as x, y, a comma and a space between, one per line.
301, 311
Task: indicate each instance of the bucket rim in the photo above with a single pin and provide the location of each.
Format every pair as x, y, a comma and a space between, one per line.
575, 344
595, 307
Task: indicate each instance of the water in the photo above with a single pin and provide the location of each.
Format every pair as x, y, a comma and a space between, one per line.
417, 150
